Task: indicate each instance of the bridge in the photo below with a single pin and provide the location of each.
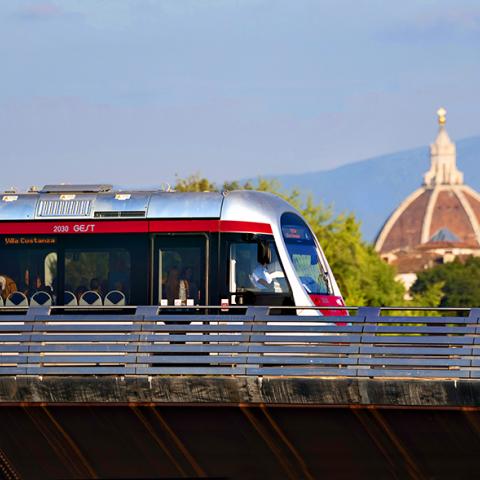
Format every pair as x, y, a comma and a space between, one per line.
149, 392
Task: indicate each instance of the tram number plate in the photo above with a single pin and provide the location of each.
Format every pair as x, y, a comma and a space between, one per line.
77, 228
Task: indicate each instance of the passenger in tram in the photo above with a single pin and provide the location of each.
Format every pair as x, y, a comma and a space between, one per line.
41, 287
24, 285
172, 285
175, 287
79, 291
103, 287
7, 286
118, 274
95, 286
54, 290
193, 291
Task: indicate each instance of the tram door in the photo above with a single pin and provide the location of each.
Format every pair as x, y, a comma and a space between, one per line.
180, 270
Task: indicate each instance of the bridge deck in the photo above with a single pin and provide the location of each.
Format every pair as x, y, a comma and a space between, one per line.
143, 394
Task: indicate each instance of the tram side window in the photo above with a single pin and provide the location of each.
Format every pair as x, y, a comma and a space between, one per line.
181, 275
101, 271
255, 268
28, 265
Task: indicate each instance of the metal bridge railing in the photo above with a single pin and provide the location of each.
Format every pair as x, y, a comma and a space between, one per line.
254, 342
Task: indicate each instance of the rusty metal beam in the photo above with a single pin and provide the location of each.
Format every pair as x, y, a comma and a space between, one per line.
243, 441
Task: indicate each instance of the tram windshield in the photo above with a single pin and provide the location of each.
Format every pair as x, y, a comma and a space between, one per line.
304, 254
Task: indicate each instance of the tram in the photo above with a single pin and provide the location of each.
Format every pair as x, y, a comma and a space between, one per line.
95, 245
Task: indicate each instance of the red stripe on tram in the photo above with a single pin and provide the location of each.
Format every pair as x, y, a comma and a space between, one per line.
184, 226
247, 227
62, 228
224, 226
131, 226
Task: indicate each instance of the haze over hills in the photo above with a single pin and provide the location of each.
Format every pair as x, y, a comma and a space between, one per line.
374, 187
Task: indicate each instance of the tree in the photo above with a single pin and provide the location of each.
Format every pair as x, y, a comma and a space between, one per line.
194, 183
457, 280
363, 278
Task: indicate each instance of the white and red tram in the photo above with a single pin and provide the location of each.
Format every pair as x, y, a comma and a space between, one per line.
94, 245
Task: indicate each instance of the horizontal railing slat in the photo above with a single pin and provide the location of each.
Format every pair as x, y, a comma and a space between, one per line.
302, 360
93, 347
76, 337
71, 370
92, 317
453, 340
90, 327
190, 370
208, 328
427, 320
308, 328
302, 372
445, 362
285, 348
194, 348
415, 350
313, 319
194, 338
82, 359
300, 338
205, 359
413, 373
426, 330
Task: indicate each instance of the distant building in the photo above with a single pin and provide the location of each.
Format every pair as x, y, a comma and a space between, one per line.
436, 223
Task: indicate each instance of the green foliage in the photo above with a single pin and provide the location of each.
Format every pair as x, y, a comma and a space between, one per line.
194, 183
458, 282
431, 296
364, 279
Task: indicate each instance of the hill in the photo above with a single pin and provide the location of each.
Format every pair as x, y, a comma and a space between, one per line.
374, 187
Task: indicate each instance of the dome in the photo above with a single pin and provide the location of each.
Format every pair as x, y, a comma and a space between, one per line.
444, 211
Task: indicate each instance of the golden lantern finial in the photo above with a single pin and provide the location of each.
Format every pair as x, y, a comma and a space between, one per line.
442, 116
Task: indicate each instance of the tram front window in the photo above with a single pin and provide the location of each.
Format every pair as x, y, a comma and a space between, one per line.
304, 254
256, 274
28, 264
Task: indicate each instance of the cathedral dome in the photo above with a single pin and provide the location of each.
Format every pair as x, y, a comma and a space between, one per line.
444, 212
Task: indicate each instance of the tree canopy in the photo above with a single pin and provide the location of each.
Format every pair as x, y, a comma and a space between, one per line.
458, 282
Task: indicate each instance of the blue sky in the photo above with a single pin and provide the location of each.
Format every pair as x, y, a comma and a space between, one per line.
134, 91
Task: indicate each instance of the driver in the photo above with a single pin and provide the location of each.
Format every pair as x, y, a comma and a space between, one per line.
260, 277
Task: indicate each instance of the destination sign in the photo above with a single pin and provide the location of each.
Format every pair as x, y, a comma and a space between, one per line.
29, 240
295, 233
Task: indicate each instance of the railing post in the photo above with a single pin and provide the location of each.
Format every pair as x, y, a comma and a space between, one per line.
32, 315
369, 314
143, 312
474, 315
254, 312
